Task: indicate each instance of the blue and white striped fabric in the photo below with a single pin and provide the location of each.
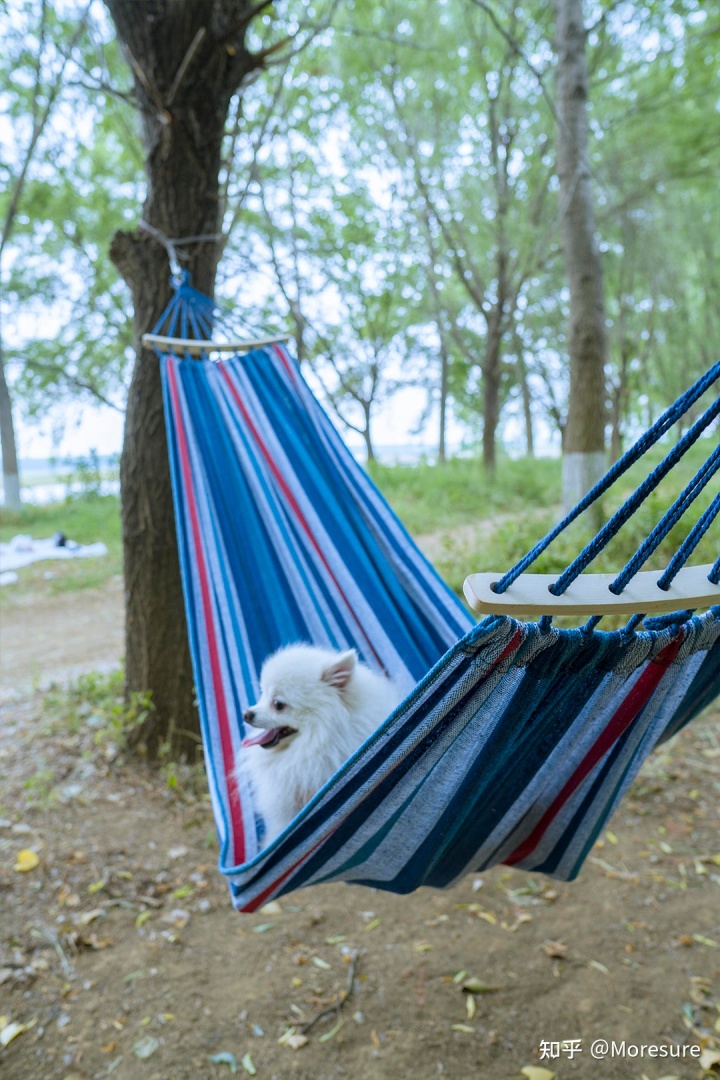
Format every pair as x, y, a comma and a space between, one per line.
513, 745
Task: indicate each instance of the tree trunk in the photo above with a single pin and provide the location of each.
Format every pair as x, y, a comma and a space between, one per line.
526, 400
491, 392
187, 60
584, 444
618, 398
367, 434
444, 391
11, 476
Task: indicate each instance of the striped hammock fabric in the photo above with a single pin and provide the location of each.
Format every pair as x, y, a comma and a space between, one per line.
514, 743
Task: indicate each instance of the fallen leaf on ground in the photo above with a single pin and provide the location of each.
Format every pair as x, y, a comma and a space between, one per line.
537, 1072
225, 1058
476, 986
709, 1059
273, 908
26, 860
145, 1048
292, 1039
332, 1033
11, 1030
86, 917
702, 940
554, 948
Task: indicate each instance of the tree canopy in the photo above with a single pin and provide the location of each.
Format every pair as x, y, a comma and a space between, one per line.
384, 181
390, 193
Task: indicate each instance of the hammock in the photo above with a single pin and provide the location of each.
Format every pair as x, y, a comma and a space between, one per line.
515, 741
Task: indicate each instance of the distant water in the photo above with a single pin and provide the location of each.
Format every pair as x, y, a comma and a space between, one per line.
40, 494
46, 481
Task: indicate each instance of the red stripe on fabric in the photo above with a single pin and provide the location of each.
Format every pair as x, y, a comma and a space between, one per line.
286, 362
264, 896
294, 505
621, 720
513, 644
234, 805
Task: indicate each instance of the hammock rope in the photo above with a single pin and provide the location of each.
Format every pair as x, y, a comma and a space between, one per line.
515, 741
605, 535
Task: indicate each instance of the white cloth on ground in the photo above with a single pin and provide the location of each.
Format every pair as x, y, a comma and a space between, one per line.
23, 550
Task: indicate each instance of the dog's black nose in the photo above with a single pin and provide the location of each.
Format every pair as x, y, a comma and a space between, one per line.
249, 716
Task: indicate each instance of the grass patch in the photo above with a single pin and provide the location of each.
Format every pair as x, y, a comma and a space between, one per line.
95, 710
429, 499
85, 519
441, 496
524, 503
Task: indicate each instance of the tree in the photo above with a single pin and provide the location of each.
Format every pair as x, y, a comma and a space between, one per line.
584, 441
188, 62
73, 168
460, 121
45, 71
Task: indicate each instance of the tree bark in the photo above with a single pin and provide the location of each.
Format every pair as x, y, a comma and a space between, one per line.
526, 398
187, 59
367, 436
492, 374
8, 444
618, 398
444, 393
584, 442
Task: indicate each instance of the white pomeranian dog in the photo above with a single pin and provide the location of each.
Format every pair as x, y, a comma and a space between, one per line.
316, 708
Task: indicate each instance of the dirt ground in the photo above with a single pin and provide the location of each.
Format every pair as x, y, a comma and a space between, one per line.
120, 954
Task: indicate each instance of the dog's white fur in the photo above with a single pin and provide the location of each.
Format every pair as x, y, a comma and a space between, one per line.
316, 708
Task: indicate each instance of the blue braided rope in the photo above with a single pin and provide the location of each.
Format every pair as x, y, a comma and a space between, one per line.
189, 314
174, 310
666, 523
648, 439
714, 574
689, 544
671, 618
629, 507
632, 624
589, 626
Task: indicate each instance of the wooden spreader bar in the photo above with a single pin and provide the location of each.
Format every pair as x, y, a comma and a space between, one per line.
589, 594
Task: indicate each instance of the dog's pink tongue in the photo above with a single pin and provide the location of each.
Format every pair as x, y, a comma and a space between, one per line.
265, 736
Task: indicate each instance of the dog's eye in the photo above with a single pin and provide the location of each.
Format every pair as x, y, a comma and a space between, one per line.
278, 705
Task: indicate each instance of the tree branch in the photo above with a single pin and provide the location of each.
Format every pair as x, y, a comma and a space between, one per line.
241, 24
40, 119
516, 48
44, 366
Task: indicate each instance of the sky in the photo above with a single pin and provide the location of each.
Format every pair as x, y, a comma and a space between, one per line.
85, 428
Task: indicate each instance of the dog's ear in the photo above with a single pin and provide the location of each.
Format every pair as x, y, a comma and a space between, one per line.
339, 673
